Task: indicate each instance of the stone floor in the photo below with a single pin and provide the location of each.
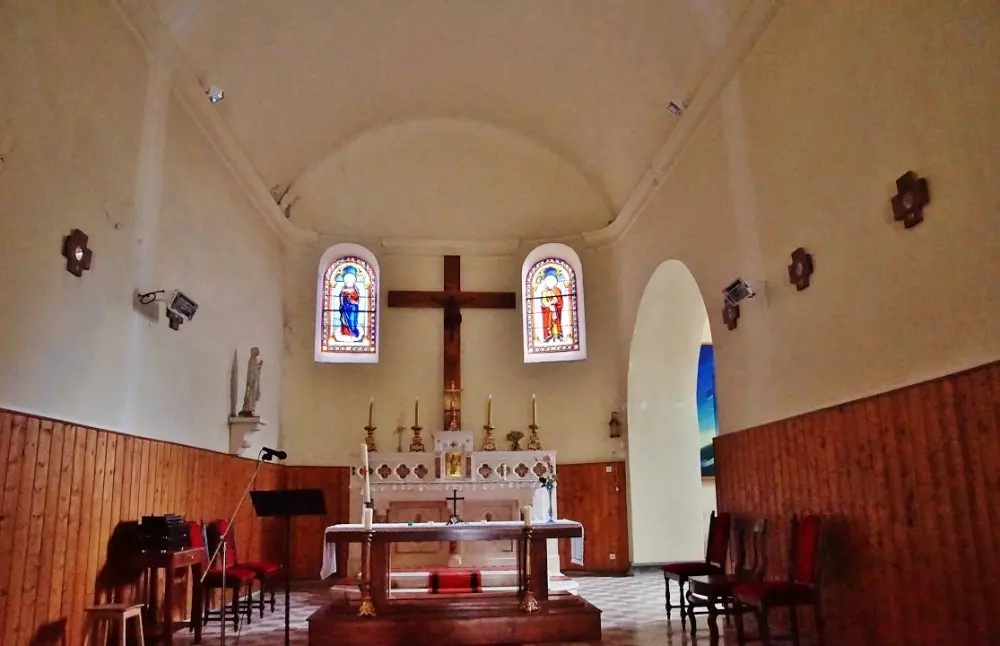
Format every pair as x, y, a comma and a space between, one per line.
632, 615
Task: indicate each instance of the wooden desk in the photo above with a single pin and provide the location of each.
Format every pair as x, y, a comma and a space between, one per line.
171, 562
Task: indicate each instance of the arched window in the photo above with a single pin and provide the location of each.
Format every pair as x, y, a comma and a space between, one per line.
552, 292
347, 300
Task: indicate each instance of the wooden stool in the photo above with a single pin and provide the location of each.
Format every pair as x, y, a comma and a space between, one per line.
104, 616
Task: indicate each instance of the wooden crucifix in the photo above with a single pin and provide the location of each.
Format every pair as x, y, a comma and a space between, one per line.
452, 299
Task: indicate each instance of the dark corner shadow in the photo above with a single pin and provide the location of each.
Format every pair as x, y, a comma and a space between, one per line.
121, 568
839, 538
50, 634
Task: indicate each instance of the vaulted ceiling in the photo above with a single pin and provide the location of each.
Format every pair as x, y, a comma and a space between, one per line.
522, 117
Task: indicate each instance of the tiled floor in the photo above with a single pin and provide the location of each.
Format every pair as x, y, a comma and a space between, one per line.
632, 615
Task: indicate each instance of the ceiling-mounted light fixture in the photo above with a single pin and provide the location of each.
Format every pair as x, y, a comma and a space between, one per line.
676, 108
215, 94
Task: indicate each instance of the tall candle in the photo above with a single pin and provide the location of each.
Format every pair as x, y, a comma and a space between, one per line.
368, 518
489, 411
534, 410
368, 490
416, 412
371, 411
527, 515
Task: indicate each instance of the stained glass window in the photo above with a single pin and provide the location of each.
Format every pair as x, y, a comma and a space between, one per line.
347, 318
554, 324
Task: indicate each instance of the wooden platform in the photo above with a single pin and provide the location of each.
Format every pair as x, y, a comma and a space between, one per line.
465, 620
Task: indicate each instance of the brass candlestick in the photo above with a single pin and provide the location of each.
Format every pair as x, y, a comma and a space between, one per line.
534, 441
367, 608
528, 603
489, 444
417, 443
370, 439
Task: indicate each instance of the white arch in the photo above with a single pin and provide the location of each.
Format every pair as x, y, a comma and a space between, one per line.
575, 349
331, 255
666, 494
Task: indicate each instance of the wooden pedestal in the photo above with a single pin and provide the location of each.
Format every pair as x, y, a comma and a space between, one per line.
462, 620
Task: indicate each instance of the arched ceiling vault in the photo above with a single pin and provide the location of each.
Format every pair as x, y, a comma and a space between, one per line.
588, 80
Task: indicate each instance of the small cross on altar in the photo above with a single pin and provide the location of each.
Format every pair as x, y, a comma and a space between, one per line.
454, 498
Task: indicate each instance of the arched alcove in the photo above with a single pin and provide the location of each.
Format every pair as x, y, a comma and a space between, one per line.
667, 499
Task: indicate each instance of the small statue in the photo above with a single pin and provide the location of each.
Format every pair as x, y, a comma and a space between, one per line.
514, 437
252, 394
534, 441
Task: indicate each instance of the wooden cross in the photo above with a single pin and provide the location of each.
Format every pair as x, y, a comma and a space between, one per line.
76, 252
452, 299
454, 498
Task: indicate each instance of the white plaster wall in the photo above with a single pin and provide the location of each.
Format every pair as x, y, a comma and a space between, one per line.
96, 143
666, 497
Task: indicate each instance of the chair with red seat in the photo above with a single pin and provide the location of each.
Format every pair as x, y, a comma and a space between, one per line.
801, 588
266, 573
716, 552
235, 579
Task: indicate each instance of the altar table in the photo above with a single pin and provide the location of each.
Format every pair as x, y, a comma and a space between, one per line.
495, 618
383, 534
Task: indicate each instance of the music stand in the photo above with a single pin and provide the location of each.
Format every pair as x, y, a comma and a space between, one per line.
285, 504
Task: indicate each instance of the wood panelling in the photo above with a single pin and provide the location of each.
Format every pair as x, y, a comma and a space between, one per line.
308, 531
910, 481
63, 490
594, 495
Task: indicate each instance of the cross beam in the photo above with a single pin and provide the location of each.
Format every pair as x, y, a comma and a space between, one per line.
452, 299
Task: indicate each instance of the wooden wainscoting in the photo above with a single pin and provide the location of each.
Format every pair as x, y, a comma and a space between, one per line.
594, 494
63, 490
308, 531
911, 482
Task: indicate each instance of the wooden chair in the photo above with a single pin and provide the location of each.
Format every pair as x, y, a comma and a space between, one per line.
235, 579
709, 592
801, 588
105, 616
716, 552
266, 573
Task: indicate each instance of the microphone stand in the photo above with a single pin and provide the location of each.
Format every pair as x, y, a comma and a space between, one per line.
221, 547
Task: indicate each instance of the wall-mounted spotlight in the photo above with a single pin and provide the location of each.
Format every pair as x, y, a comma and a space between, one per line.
179, 306
676, 108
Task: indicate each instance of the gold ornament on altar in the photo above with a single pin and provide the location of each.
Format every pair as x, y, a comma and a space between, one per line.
534, 441
417, 443
514, 437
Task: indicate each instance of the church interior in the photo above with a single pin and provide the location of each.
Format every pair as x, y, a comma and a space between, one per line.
573, 321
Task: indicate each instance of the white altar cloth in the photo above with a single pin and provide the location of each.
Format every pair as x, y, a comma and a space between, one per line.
330, 549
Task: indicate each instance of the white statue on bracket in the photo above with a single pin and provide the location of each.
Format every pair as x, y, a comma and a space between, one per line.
252, 394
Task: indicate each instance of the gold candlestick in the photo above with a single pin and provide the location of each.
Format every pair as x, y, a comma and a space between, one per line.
370, 438
534, 441
417, 443
489, 444
367, 608
528, 603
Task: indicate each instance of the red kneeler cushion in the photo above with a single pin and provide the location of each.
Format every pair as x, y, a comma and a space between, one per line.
692, 568
455, 581
262, 569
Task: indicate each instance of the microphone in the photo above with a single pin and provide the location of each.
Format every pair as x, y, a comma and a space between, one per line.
269, 454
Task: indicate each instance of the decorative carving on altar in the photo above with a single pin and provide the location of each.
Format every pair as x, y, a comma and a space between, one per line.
455, 467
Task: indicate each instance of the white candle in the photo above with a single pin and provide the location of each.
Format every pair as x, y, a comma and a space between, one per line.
369, 517
527, 515
368, 490
534, 410
489, 411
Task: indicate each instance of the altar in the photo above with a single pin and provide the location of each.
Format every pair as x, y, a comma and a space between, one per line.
454, 482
